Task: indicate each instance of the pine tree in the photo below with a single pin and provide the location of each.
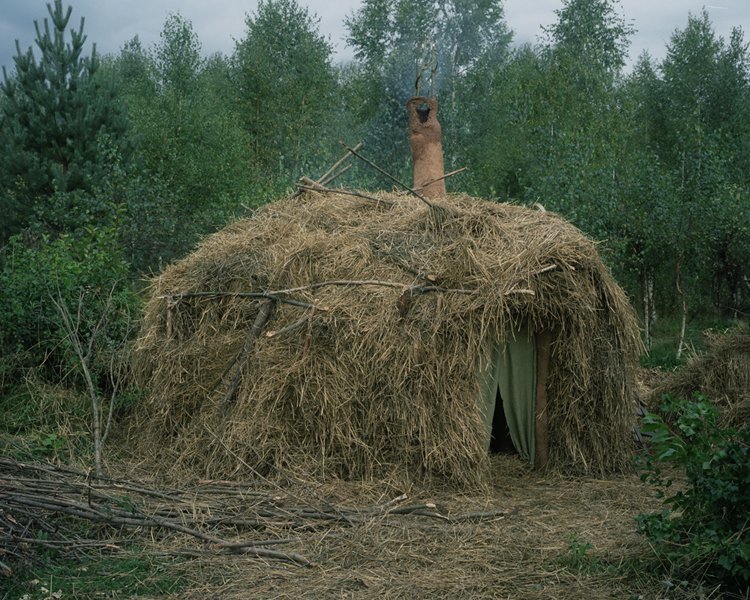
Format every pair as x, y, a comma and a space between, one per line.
60, 125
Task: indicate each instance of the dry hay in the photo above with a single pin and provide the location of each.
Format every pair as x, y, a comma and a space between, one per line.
365, 379
721, 373
559, 538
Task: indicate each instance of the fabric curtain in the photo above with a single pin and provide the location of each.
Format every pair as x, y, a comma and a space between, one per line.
512, 370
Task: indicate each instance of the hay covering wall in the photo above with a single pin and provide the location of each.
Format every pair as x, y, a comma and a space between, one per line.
383, 375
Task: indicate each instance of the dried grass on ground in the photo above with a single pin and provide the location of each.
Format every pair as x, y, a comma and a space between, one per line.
377, 375
538, 549
525, 537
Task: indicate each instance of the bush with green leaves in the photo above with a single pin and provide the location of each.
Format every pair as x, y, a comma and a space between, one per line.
86, 272
703, 530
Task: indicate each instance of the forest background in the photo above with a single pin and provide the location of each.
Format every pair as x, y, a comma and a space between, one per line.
113, 166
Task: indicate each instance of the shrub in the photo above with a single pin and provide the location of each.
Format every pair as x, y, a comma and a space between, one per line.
85, 271
704, 527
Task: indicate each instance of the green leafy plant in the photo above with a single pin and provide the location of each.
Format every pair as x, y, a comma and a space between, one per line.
56, 112
52, 443
704, 528
36, 269
578, 558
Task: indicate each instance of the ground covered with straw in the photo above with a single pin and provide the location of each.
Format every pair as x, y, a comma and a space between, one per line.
344, 336
524, 536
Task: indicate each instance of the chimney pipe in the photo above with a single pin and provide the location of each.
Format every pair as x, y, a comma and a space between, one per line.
426, 147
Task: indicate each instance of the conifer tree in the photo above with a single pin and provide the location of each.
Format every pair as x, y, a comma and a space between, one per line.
60, 125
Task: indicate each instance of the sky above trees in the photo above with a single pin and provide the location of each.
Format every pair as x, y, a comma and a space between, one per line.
220, 22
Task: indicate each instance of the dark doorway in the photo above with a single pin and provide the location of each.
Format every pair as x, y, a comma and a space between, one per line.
500, 441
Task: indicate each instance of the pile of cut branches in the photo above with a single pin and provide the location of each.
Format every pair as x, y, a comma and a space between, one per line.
52, 506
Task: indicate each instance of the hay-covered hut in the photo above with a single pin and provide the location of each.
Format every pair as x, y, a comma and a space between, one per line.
346, 336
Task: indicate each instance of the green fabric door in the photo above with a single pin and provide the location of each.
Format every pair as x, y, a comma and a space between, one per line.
512, 370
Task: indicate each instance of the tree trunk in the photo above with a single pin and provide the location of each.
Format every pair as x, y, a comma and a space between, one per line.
683, 325
649, 307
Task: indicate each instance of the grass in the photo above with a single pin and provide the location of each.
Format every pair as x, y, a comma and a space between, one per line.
578, 558
135, 573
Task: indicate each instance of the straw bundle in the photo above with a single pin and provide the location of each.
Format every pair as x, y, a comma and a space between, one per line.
257, 355
721, 373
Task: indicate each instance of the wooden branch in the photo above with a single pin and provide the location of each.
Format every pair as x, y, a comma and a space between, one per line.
313, 186
428, 509
388, 175
263, 315
280, 295
451, 174
336, 175
375, 282
309, 184
5, 570
72, 333
43, 497
30, 504
268, 295
291, 327
480, 515
546, 269
337, 164
274, 554
65, 544
114, 516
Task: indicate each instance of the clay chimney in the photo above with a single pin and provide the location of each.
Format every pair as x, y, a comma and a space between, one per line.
426, 147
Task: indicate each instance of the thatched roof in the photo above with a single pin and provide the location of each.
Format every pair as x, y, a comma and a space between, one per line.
721, 372
358, 378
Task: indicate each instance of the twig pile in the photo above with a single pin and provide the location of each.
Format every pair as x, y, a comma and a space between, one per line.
57, 500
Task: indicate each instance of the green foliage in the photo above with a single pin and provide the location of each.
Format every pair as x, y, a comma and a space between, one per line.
693, 120
665, 333
192, 169
39, 420
55, 112
589, 41
285, 86
86, 272
128, 574
662, 356
578, 559
405, 48
704, 527
178, 55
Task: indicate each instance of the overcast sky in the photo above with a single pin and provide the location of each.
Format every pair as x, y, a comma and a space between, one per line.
219, 23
